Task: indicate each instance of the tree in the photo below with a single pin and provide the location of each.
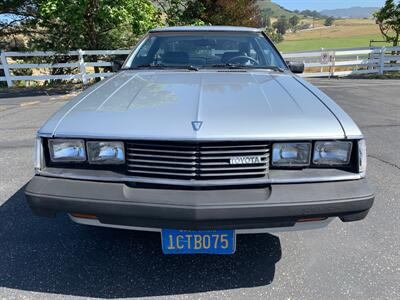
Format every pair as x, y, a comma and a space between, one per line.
228, 12
388, 19
312, 13
213, 12
60, 25
265, 21
93, 24
180, 12
294, 21
329, 21
15, 18
15, 12
273, 35
281, 25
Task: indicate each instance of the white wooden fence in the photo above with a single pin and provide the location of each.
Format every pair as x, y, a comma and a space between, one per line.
79, 56
321, 63
344, 62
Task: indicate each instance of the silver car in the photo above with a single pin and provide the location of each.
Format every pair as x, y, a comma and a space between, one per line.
204, 133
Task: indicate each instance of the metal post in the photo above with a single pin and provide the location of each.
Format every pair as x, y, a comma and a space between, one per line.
382, 61
82, 66
6, 70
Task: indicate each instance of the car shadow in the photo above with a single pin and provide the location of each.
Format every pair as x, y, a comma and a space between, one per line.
60, 257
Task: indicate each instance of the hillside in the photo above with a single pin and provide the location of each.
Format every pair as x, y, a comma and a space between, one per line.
351, 13
346, 33
272, 9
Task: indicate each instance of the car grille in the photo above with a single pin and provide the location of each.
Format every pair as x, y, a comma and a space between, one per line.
196, 161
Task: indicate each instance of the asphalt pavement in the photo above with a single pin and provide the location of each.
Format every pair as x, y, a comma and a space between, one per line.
56, 259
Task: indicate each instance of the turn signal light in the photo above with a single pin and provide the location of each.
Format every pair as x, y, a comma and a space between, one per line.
84, 216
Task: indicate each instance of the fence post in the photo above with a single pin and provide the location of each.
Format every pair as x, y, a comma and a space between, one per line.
82, 66
333, 62
322, 68
6, 70
382, 61
370, 60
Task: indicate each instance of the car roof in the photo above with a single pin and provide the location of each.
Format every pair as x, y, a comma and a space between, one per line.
205, 28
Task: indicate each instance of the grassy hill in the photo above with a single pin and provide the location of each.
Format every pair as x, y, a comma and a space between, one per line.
274, 10
351, 13
346, 33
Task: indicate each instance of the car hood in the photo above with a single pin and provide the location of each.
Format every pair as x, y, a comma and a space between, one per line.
226, 105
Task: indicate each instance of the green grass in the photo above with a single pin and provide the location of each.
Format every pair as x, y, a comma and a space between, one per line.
336, 42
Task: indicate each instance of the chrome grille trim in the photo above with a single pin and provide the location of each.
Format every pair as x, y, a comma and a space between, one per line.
196, 160
171, 157
229, 157
161, 151
237, 168
162, 167
149, 161
166, 172
234, 151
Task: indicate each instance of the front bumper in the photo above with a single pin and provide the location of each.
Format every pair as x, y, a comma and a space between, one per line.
278, 205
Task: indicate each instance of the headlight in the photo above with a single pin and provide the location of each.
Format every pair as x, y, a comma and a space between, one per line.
362, 157
62, 150
106, 152
291, 154
332, 153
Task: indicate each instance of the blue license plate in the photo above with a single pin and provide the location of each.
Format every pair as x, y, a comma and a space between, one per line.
198, 242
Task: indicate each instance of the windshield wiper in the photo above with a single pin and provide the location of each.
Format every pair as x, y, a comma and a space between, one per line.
227, 65
238, 66
162, 66
189, 67
147, 66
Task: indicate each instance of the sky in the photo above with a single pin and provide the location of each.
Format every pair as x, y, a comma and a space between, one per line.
327, 4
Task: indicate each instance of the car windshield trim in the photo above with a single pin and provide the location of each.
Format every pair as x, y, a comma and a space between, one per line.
214, 66
163, 66
189, 50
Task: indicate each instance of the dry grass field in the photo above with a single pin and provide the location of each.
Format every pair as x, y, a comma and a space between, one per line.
345, 33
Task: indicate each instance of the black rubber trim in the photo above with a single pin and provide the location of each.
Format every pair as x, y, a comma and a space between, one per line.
273, 206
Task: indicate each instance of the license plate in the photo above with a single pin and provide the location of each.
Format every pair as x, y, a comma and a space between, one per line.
198, 242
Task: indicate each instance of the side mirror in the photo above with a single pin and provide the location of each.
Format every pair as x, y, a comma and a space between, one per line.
116, 65
296, 67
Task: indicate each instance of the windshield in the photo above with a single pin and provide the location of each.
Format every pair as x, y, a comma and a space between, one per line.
206, 50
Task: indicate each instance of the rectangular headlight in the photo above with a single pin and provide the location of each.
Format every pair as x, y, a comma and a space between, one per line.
63, 150
104, 152
332, 153
291, 154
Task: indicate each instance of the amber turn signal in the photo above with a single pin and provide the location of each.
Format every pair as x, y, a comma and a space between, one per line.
84, 216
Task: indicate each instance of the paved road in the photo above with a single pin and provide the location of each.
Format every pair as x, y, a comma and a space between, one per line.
56, 259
